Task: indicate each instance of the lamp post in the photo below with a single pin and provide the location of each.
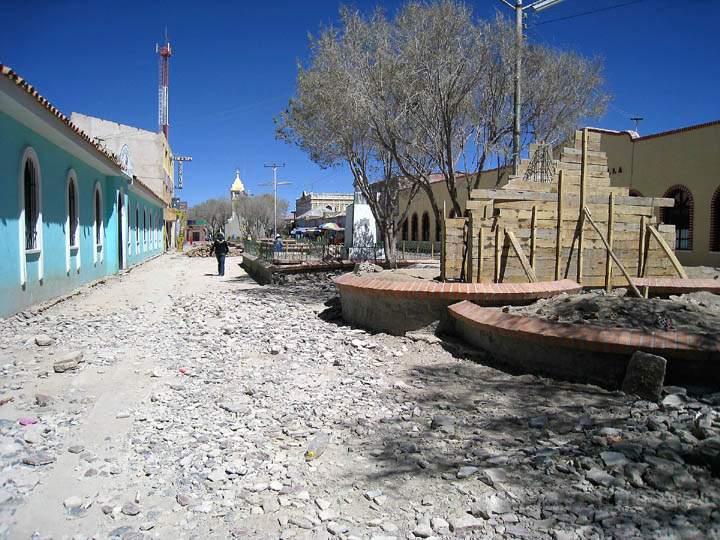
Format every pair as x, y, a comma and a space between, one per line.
537, 6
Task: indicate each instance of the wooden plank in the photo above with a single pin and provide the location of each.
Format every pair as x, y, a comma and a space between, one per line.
608, 259
631, 285
558, 238
521, 255
443, 261
533, 224
669, 252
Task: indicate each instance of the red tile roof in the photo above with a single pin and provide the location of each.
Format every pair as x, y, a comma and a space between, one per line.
22, 83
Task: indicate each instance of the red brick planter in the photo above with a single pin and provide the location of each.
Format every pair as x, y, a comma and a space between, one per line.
665, 286
581, 351
397, 307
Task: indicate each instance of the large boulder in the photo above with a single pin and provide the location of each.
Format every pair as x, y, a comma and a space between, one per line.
645, 375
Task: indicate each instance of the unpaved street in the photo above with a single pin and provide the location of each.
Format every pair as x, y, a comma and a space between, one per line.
190, 414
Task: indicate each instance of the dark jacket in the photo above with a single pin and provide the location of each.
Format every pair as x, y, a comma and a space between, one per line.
219, 247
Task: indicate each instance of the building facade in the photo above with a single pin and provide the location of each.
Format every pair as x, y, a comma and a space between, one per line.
683, 164
69, 214
143, 154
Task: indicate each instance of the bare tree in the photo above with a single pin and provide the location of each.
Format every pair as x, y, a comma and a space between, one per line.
215, 212
255, 214
429, 92
328, 119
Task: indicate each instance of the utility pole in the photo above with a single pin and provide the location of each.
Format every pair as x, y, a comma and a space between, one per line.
637, 120
275, 184
537, 6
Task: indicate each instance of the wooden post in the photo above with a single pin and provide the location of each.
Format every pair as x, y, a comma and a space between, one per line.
533, 225
558, 237
641, 247
669, 252
480, 253
608, 258
432, 250
443, 261
498, 250
469, 274
581, 213
631, 285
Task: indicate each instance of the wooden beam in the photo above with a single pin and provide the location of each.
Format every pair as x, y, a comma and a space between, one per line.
641, 246
608, 259
481, 234
533, 228
529, 272
443, 259
631, 285
480, 198
669, 252
558, 238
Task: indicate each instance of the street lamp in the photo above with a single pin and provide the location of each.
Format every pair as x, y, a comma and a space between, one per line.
537, 6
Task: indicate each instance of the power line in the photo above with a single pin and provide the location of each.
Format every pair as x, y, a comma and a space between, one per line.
599, 10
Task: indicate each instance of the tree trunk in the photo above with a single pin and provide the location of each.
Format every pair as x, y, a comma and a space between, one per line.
389, 247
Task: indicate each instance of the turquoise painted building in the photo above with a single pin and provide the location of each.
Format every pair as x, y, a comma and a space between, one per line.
69, 214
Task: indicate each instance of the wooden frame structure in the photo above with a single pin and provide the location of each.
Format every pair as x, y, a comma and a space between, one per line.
578, 226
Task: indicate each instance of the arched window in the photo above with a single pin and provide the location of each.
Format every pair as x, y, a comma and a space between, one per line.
30, 218
145, 238
98, 225
715, 221
405, 229
438, 230
31, 191
72, 212
680, 215
635, 193
425, 227
137, 229
414, 227
72, 223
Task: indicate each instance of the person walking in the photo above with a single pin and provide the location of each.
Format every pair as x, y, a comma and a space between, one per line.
221, 249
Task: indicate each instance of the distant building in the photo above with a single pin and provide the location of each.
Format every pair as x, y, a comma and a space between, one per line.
314, 209
71, 214
142, 153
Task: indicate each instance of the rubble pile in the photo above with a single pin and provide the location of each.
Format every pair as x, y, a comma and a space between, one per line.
264, 418
203, 250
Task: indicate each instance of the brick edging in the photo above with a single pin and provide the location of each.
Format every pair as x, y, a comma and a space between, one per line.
675, 344
479, 292
660, 285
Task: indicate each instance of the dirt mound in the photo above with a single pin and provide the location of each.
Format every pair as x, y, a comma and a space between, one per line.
698, 313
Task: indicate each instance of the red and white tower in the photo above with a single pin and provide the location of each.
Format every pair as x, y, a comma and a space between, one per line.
163, 80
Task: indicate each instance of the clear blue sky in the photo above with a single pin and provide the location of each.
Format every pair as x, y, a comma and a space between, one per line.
233, 69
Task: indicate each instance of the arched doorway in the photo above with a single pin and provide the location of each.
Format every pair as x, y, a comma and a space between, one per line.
715, 221
680, 215
425, 227
414, 228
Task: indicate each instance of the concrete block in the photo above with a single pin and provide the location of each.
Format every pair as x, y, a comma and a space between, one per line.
645, 376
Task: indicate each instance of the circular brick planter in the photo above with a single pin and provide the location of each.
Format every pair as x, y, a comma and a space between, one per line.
583, 352
397, 307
